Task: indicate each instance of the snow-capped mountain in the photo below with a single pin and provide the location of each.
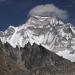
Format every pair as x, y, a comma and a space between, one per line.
50, 32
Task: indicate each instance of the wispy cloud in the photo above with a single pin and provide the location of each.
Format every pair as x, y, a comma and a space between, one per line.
49, 10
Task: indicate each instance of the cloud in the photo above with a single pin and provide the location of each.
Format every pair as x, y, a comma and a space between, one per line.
48, 10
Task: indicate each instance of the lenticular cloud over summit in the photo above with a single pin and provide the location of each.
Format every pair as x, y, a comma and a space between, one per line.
49, 10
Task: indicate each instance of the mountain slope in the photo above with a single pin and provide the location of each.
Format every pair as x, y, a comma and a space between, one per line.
37, 56
9, 67
32, 60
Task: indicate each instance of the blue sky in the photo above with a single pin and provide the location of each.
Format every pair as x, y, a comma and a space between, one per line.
15, 12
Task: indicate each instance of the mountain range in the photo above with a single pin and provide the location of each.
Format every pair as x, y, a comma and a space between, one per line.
51, 33
41, 46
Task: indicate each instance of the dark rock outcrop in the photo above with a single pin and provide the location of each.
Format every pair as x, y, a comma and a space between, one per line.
9, 67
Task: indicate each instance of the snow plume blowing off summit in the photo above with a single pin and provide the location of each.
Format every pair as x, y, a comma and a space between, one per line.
49, 10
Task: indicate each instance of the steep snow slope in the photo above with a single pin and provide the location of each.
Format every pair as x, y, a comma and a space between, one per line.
47, 31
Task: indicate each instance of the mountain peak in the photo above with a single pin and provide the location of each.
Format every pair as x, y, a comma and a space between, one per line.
50, 32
